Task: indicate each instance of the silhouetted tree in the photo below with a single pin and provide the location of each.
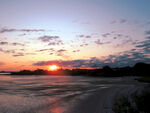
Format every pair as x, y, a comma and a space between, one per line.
141, 69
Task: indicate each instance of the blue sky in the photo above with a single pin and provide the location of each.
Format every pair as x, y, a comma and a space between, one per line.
86, 29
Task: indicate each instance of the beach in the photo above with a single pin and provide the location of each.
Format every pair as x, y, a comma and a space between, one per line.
63, 94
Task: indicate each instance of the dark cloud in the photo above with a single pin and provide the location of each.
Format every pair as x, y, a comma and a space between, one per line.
57, 42
3, 43
85, 36
61, 52
47, 38
17, 44
145, 46
52, 40
126, 59
5, 30
68, 63
148, 37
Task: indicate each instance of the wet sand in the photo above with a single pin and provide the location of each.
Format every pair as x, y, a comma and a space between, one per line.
63, 94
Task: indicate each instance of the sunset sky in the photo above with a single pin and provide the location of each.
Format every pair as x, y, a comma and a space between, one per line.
73, 33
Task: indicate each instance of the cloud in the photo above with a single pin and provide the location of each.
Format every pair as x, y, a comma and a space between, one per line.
51, 40
84, 36
7, 51
68, 63
118, 21
57, 42
127, 58
61, 52
3, 43
106, 35
18, 54
123, 20
6, 30
76, 51
98, 42
82, 45
144, 45
148, 37
15, 53
46, 38
17, 44
22, 54
13, 44
41, 50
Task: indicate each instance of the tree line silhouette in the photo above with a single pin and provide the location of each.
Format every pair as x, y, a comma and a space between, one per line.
139, 69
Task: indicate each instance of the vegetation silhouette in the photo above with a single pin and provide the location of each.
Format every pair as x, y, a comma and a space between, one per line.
139, 69
134, 104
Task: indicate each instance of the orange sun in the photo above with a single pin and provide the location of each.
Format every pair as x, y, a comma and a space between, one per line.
53, 67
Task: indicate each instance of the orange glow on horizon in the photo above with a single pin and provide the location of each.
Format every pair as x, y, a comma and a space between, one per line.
53, 67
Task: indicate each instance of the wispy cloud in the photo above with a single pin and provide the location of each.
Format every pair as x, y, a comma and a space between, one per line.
12, 44
3, 43
57, 42
83, 45
84, 36
51, 40
99, 42
46, 38
17, 44
76, 51
121, 21
6, 30
7, 51
43, 50
18, 54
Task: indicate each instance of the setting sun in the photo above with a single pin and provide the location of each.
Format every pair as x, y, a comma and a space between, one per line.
53, 67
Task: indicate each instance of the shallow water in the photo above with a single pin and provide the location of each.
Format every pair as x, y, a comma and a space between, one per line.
46, 94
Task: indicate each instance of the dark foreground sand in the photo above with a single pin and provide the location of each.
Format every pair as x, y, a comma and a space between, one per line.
102, 100
64, 94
